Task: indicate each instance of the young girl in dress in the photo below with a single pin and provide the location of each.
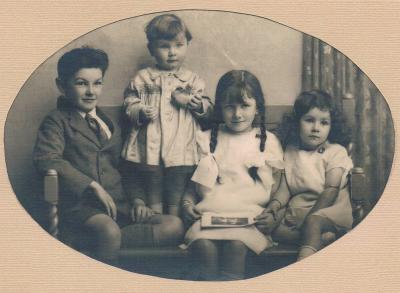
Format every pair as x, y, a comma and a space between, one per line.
164, 104
316, 167
234, 176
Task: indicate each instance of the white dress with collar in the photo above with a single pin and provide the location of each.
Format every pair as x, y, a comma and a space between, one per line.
305, 174
236, 191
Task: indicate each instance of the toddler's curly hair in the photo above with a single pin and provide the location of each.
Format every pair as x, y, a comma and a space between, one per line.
289, 129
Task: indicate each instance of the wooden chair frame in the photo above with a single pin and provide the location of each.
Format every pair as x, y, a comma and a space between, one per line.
358, 195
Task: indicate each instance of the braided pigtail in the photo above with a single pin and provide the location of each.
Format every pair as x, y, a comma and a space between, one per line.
214, 135
263, 130
263, 138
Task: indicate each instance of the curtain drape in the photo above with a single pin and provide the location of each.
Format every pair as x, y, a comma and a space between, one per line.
365, 108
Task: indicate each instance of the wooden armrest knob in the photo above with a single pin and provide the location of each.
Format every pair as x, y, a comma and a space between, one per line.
357, 170
51, 197
51, 186
358, 185
359, 194
51, 172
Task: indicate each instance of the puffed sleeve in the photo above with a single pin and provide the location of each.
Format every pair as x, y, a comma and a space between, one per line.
273, 152
203, 142
337, 157
206, 172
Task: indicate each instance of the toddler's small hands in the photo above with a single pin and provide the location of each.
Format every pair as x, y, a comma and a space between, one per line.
273, 207
140, 213
149, 112
195, 103
265, 222
180, 97
264, 214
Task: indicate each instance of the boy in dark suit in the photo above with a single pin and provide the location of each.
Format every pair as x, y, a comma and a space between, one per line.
83, 145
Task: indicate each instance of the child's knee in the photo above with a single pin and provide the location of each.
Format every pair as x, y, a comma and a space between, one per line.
283, 233
111, 233
205, 245
313, 223
104, 228
174, 225
167, 229
237, 246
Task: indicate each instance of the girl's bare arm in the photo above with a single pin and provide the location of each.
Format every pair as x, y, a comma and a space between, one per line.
331, 191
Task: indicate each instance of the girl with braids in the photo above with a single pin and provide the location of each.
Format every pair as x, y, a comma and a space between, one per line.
235, 176
315, 138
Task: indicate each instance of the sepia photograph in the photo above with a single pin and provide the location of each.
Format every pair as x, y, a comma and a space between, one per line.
119, 119
198, 145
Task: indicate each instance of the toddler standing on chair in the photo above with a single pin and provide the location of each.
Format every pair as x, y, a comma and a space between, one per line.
164, 104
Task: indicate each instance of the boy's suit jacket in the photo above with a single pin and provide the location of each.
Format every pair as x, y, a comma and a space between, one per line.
67, 144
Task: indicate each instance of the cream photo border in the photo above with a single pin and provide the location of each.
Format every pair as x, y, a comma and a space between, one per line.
367, 260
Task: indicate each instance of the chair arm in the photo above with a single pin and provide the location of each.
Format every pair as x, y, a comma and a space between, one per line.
51, 197
359, 195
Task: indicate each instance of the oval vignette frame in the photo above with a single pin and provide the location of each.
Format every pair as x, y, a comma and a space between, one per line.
277, 52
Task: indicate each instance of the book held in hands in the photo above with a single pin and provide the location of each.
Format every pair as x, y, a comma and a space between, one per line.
213, 220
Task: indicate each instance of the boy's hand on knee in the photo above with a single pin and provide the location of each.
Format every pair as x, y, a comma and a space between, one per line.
140, 213
105, 198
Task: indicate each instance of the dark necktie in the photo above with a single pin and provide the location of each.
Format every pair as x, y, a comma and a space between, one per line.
97, 129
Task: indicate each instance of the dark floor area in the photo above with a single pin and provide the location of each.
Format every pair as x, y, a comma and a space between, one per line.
181, 268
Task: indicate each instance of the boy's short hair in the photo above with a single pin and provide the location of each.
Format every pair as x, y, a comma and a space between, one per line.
167, 27
78, 58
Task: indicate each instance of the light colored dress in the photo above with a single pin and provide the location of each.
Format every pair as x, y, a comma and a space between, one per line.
225, 185
171, 138
305, 174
